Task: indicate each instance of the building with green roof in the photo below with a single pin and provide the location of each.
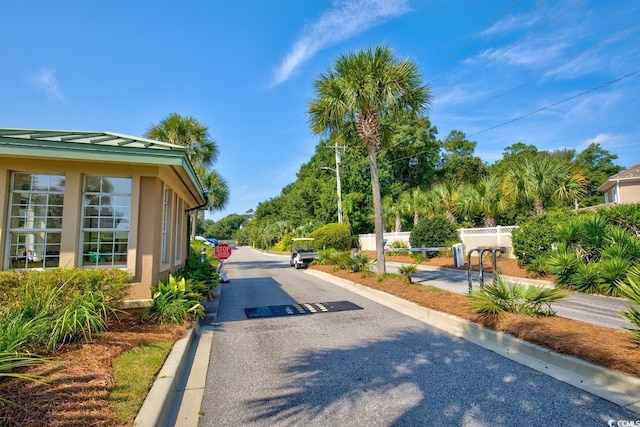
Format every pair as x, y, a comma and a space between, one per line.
95, 200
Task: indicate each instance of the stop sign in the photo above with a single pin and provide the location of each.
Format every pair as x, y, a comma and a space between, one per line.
223, 251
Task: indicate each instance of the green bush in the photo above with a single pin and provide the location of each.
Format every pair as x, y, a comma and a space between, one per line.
174, 301
631, 291
536, 235
625, 215
284, 245
500, 297
49, 308
433, 232
332, 236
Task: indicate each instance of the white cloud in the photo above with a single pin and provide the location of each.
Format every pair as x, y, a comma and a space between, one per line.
346, 19
45, 81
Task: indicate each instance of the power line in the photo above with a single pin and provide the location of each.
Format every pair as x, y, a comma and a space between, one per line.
558, 103
609, 40
493, 58
470, 39
437, 76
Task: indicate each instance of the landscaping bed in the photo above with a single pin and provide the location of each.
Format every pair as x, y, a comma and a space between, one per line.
602, 346
80, 380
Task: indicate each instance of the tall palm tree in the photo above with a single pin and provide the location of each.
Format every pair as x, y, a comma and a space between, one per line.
415, 203
202, 152
491, 201
445, 196
363, 89
188, 132
542, 181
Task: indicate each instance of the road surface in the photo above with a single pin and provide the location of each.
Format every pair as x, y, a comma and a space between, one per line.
368, 367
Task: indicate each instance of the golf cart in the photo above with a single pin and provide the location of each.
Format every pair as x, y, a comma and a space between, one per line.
302, 253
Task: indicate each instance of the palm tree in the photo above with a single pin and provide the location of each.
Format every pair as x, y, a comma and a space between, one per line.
542, 181
491, 201
445, 196
202, 152
364, 89
415, 203
187, 132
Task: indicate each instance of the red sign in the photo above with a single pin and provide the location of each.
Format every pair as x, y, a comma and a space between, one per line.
223, 251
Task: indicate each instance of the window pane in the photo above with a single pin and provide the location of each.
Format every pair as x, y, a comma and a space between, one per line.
35, 223
106, 209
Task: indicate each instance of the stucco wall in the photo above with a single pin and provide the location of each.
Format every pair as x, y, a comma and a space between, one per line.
145, 228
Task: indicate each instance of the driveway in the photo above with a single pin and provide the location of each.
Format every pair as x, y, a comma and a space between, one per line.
367, 367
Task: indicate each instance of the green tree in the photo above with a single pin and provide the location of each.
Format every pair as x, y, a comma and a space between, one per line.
202, 152
363, 89
597, 165
458, 164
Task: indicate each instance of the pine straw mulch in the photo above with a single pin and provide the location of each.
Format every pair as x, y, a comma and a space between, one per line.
602, 346
79, 381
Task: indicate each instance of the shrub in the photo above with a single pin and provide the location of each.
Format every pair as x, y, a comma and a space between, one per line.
500, 297
631, 291
563, 263
433, 232
174, 301
284, 245
332, 236
613, 270
536, 235
625, 215
407, 271
587, 278
398, 244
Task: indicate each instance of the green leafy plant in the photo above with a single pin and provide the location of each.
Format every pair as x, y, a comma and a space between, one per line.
407, 271
500, 297
612, 270
631, 291
433, 232
563, 263
174, 301
336, 236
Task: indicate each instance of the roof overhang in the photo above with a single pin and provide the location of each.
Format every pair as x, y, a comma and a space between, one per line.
97, 146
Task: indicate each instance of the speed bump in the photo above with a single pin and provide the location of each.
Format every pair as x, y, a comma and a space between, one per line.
299, 309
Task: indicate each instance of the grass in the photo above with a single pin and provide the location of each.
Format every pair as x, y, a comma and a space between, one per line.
134, 372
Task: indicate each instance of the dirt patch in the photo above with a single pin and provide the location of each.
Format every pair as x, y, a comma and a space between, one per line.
78, 384
602, 346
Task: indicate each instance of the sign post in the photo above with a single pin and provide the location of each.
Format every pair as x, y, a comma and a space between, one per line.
223, 252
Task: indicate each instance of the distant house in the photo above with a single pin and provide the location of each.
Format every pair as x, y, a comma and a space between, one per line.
623, 187
95, 200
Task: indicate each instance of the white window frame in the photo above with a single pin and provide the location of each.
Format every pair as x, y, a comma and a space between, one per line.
177, 256
101, 257
27, 223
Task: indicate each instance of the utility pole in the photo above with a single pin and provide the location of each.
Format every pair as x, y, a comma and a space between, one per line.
338, 161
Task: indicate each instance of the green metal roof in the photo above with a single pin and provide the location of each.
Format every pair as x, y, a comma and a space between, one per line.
101, 146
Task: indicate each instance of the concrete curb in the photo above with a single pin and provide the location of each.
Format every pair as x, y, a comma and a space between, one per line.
156, 406
616, 387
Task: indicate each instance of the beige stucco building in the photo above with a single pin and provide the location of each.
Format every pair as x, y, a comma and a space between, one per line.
623, 187
95, 200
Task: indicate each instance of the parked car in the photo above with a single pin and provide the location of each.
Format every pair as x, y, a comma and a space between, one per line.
213, 241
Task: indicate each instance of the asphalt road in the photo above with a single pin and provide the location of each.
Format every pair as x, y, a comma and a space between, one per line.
369, 367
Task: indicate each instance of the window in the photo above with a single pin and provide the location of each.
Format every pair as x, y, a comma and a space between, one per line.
179, 231
35, 220
106, 215
166, 224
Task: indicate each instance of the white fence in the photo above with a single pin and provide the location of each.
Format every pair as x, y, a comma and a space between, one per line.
470, 238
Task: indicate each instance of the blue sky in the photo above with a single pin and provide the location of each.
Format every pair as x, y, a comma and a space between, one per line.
554, 74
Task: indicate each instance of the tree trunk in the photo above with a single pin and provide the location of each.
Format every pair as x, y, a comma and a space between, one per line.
416, 218
398, 225
377, 209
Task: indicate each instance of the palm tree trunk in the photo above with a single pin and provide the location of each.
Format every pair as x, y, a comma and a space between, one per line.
416, 218
377, 209
398, 225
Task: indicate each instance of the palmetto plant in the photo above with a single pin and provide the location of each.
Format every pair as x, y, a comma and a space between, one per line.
631, 291
500, 297
407, 271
